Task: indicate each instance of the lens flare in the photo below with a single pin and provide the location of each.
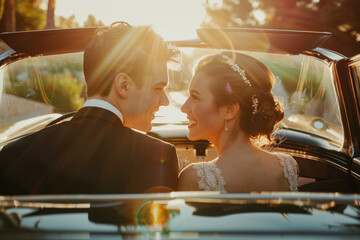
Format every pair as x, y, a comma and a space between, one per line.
228, 87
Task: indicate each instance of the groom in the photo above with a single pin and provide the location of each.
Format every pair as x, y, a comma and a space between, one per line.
98, 151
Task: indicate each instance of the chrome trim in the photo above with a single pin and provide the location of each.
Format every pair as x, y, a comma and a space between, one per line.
305, 155
354, 59
355, 175
11, 56
196, 43
329, 54
325, 55
186, 195
6, 142
6, 54
266, 30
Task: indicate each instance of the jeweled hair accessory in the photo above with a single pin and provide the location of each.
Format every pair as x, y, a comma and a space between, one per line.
255, 104
236, 68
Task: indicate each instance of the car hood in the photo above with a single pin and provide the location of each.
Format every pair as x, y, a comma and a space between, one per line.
181, 213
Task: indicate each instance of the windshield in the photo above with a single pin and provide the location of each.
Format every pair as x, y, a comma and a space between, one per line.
37, 90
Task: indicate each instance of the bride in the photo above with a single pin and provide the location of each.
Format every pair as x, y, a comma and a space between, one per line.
230, 104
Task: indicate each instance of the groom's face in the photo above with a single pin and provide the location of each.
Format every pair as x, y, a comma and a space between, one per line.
144, 102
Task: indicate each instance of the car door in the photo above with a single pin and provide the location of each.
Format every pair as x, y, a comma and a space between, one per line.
354, 72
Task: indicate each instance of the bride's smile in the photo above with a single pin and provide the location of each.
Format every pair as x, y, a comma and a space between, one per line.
192, 123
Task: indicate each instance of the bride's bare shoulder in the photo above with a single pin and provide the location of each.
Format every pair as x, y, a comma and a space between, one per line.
188, 179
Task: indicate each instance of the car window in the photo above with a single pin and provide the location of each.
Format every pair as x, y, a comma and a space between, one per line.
306, 88
39, 89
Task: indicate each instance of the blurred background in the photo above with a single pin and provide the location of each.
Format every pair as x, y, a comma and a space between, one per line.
178, 19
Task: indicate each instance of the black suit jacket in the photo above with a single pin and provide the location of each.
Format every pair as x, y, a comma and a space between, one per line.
92, 153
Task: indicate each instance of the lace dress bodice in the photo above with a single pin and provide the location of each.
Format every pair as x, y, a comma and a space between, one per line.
211, 178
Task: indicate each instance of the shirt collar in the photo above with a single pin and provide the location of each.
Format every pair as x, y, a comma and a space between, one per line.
104, 105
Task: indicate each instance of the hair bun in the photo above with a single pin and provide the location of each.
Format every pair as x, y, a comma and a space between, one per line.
264, 113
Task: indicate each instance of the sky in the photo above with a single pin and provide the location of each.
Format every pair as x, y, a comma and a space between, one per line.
173, 19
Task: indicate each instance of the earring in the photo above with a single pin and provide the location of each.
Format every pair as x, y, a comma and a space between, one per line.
226, 126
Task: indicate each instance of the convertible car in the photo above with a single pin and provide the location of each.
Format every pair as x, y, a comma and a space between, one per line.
42, 84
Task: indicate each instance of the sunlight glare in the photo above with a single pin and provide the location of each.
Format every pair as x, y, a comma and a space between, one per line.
172, 19
155, 213
259, 16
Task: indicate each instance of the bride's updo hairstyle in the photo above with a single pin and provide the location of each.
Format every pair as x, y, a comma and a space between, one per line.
240, 78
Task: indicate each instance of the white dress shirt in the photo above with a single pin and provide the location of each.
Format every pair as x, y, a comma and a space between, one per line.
104, 105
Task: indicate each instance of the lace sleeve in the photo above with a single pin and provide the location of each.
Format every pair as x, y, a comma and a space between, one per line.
290, 170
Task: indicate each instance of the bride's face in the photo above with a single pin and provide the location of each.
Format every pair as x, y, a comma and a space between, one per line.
207, 120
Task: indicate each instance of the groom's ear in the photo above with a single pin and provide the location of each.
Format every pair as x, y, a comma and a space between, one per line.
232, 110
122, 85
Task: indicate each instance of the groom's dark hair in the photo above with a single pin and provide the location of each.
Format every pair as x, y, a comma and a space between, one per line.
122, 47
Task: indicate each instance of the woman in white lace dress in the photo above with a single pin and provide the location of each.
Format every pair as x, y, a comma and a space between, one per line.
231, 103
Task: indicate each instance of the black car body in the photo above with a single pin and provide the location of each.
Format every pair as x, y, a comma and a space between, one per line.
320, 90
181, 216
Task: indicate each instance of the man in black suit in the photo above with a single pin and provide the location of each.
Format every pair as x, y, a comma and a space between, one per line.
97, 151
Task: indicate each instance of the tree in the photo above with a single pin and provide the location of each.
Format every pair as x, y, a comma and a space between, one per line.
29, 15
50, 20
2, 2
70, 22
92, 22
336, 16
8, 11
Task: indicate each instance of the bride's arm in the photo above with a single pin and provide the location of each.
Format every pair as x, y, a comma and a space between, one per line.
188, 180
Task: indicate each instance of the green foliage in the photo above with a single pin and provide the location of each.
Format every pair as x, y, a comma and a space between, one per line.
336, 16
92, 22
70, 22
287, 71
1, 8
58, 83
63, 91
29, 16
65, 63
63, 22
